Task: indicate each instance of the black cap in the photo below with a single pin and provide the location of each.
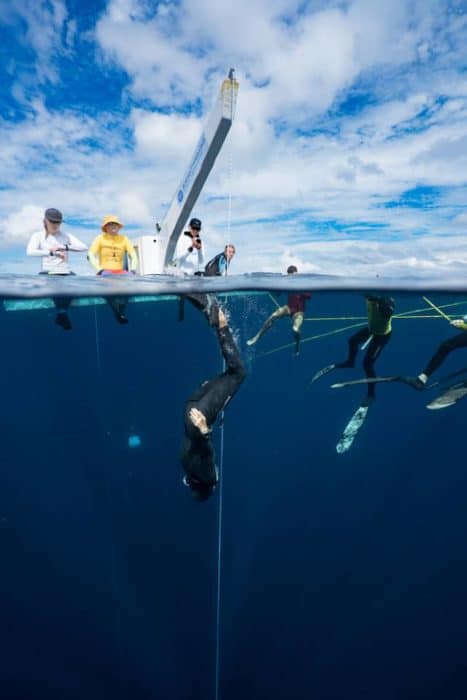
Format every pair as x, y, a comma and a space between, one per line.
195, 223
53, 215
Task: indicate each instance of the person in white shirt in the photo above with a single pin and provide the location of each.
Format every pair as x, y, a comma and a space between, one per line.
52, 246
192, 260
190, 263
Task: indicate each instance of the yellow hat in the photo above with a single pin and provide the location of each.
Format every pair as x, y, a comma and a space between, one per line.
111, 219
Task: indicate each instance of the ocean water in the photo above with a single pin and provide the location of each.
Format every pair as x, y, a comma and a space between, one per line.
308, 573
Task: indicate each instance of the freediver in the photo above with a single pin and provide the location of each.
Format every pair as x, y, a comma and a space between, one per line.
295, 307
374, 338
202, 409
443, 350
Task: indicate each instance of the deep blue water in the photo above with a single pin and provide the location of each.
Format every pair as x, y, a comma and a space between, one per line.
341, 575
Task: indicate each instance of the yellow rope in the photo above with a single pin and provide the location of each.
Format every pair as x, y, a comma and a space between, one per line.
436, 308
312, 337
364, 318
336, 318
274, 300
403, 315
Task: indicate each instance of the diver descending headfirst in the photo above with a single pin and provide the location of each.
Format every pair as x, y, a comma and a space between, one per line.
295, 307
201, 412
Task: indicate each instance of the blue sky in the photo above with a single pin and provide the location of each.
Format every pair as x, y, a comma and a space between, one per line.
348, 153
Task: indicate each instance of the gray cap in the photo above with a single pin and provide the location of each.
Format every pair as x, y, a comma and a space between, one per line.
53, 215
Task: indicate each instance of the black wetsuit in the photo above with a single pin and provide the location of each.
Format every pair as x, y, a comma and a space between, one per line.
207, 304
458, 341
198, 459
380, 311
374, 348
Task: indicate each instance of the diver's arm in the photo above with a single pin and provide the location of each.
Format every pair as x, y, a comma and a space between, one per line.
34, 247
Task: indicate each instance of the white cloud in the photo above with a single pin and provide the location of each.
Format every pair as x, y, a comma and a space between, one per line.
162, 137
20, 225
302, 175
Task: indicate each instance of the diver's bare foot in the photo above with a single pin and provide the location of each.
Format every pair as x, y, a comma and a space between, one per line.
199, 420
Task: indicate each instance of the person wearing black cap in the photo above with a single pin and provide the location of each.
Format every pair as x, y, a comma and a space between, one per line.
192, 260
201, 412
52, 246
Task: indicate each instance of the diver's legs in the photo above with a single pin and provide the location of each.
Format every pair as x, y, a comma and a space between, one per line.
231, 354
354, 341
207, 304
118, 306
278, 313
62, 319
297, 321
458, 341
377, 343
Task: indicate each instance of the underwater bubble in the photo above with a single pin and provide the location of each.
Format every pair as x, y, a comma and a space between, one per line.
134, 441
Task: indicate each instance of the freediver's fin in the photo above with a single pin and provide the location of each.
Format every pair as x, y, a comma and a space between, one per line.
414, 382
320, 373
352, 428
368, 380
449, 397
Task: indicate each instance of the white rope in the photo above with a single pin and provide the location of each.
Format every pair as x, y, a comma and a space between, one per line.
221, 450
221, 460
219, 555
230, 171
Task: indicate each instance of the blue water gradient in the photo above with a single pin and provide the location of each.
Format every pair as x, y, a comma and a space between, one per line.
341, 575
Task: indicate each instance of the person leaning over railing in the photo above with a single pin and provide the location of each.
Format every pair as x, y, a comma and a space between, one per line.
108, 254
219, 265
52, 245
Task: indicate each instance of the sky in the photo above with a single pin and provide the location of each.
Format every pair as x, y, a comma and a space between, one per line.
347, 155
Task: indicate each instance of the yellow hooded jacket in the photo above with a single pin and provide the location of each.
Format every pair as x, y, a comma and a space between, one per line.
107, 252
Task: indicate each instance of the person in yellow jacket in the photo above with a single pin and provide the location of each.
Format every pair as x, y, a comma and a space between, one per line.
108, 254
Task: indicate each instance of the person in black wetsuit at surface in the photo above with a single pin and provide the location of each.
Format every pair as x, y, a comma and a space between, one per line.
201, 412
446, 347
376, 335
373, 338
